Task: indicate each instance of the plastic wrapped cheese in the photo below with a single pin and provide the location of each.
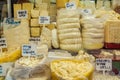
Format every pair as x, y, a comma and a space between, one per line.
68, 30
69, 35
63, 13
71, 41
55, 42
71, 47
91, 40
68, 26
93, 30
93, 35
68, 20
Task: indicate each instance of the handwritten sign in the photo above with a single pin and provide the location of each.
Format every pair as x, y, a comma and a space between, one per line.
70, 5
44, 20
3, 43
29, 50
103, 64
22, 14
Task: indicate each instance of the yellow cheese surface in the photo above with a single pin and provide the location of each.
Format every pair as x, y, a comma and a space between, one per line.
71, 70
27, 6
16, 8
35, 13
112, 31
34, 23
35, 32
61, 3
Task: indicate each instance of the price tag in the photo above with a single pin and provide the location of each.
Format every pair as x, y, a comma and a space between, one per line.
29, 50
34, 40
103, 64
22, 14
3, 70
70, 5
44, 20
3, 43
86, 11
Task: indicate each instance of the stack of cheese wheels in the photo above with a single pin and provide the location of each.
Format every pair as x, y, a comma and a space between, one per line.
69, 30
71, 70
92, 33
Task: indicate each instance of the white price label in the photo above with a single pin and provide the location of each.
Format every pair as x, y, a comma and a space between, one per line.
103, 64
3, 70
44, 20
29, 50
36, 39
87, 11
70, 5
22, 14
3, 43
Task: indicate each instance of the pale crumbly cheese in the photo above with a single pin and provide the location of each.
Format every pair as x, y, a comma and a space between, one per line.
34, 23
35, 32
35, 13
71, 69
19, 35
16, 8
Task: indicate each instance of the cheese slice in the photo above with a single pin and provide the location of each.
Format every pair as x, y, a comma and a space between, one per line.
16, 8
34, 23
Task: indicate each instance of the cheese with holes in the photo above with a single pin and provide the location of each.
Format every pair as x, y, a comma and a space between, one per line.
34, 23
55, 42
35, 32
35, 13
16, 8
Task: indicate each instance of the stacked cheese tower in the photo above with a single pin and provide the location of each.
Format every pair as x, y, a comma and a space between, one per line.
68, 30
92, 33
